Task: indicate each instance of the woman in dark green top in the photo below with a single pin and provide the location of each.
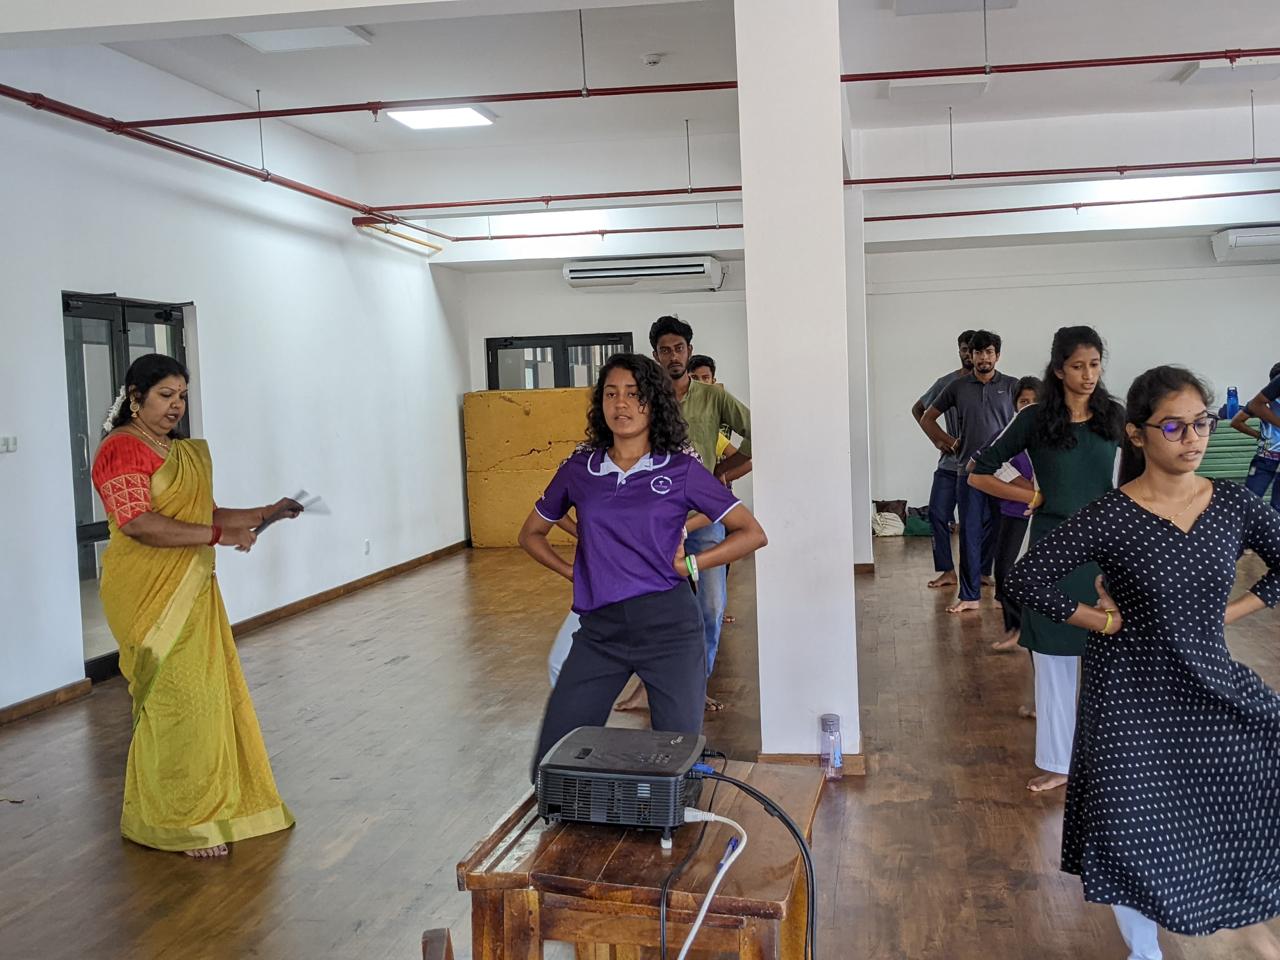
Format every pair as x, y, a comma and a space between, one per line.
1072, 435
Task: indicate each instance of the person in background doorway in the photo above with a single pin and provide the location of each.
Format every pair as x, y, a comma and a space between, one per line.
1266, 462
983, 400
707, 411
1173, 809
632, 491
1072, 435
197, 776
947, 475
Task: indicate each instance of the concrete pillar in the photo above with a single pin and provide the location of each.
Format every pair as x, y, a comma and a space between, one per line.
798, 332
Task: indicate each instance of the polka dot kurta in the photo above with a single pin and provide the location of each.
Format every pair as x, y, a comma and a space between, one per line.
1173, 803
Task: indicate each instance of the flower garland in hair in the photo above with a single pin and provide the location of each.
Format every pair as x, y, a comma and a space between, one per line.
110, 423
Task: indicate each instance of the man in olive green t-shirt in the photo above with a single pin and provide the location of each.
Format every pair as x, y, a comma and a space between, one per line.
707, 409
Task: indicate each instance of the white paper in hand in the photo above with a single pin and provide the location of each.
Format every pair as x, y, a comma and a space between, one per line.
312, 504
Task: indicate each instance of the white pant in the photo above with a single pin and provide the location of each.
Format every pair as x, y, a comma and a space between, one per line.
564, 643
1139, 934
1057, 682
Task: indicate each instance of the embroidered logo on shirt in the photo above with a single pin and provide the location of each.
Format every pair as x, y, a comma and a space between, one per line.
660, 485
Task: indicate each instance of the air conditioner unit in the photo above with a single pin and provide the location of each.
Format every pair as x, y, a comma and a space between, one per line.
1254, 244
656, 275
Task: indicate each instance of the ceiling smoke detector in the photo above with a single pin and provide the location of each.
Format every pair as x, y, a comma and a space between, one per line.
653, 59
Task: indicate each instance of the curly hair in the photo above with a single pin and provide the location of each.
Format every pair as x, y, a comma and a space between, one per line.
1053, 424
665, 325
668, 432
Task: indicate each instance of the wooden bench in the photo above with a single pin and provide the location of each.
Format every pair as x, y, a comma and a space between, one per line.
598, 887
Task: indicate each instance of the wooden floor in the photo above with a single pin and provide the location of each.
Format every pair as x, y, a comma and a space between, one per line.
400, 722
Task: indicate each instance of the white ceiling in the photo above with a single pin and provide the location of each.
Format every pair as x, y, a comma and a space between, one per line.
490, 54
873, 38
500, 54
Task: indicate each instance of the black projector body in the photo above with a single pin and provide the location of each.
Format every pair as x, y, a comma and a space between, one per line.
628, 778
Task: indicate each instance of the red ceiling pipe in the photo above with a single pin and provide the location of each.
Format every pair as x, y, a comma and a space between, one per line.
1231, 56
368, 221
39, 101
381, 106
547, 199
1121, 169
1079, 205
557, 198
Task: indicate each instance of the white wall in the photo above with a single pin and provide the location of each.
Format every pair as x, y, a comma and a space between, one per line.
515, 303
1153, 301
321, 358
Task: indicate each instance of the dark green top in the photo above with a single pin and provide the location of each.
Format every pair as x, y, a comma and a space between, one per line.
1068, 480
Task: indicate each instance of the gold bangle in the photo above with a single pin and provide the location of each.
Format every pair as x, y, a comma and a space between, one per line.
1106, 627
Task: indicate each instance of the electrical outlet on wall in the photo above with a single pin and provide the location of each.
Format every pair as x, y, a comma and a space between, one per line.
367, 545
8, 444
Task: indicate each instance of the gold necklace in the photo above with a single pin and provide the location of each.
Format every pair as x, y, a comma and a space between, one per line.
1185, 508
145, 434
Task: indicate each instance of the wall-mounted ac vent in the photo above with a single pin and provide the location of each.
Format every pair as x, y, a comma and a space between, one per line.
656, 275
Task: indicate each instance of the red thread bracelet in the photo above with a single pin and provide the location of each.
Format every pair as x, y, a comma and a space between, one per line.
217, 535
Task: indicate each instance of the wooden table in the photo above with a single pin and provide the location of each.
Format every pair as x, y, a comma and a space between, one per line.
598, 886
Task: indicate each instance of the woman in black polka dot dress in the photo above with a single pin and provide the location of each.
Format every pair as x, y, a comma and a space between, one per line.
1173, 803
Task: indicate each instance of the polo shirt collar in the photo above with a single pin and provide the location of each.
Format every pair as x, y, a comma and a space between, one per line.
605, 466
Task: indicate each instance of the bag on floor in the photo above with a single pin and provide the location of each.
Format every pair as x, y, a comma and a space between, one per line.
887, 525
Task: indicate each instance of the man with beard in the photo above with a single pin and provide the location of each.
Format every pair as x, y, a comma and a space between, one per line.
707, 409
947, 475
983, 400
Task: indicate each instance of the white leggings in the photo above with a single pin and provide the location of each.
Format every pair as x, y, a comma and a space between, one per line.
1057, 681
1139, 934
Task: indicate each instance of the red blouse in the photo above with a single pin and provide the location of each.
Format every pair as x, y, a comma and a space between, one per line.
122, 476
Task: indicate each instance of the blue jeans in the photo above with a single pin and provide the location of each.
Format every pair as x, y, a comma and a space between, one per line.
712, 585
1262, 473
979, 522
942, 510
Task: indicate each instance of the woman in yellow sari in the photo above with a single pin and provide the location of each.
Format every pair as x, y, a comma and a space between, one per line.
198, 776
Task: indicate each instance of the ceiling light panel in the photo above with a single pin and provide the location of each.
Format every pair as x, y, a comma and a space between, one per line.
306, 38
912, 8
1246, 70
442, 119
943, 90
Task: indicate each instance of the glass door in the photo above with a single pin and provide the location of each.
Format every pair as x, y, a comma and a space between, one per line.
102, 336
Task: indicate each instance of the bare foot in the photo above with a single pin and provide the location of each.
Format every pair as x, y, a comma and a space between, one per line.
1047, 781
713, 705
636, 699
1026, 713
945, 579
207, 853
963, 606
729, 618
1261, 941
1010, 641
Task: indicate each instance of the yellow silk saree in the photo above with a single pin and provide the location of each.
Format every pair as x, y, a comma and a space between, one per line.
198, 773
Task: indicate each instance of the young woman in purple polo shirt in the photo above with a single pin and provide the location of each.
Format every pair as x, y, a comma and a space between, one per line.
632, 490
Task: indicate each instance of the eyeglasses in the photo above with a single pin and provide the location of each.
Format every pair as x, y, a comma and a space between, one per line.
1176, 430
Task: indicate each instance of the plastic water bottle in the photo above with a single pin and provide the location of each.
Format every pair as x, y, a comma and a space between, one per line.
832, 752
1233, 402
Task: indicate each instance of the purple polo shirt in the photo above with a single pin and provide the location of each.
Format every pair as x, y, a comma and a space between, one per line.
629, 524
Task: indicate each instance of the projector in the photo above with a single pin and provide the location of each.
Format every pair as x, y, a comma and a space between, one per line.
627, 778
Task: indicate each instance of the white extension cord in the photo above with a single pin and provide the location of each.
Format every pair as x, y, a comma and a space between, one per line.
693, 815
